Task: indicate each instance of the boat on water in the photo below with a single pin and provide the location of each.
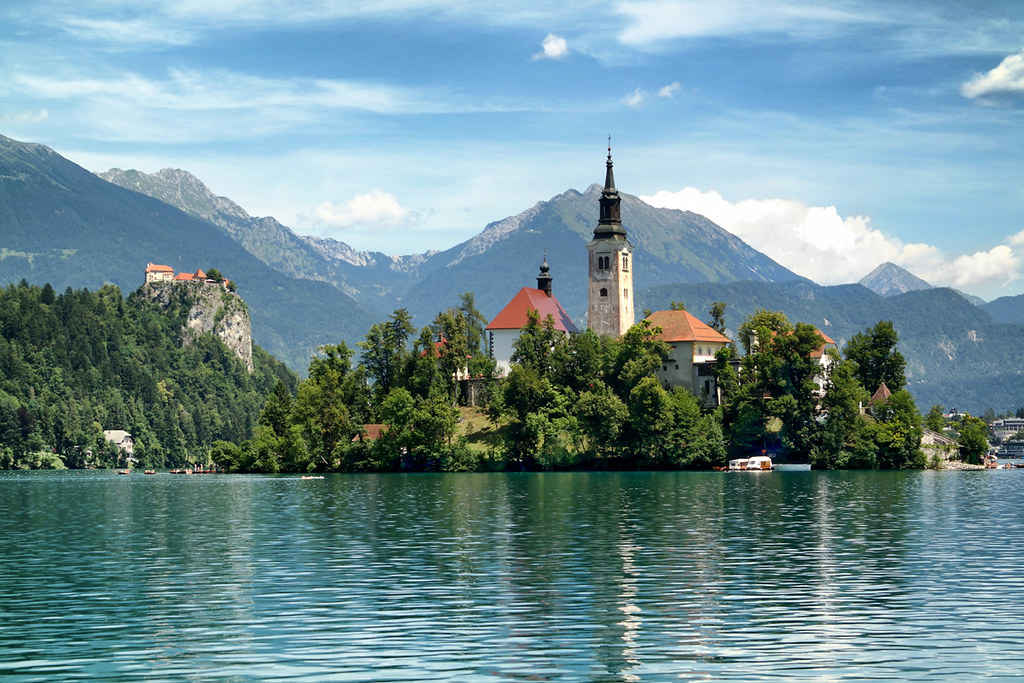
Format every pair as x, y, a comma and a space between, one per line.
756, 463
149, 472
124, 471
792, 467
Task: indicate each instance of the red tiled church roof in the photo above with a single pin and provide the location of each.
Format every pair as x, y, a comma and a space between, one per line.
514, 315
682, 326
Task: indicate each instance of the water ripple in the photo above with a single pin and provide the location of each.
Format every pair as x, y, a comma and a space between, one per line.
546, 577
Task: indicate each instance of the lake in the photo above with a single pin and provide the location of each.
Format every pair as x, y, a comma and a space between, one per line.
497, 577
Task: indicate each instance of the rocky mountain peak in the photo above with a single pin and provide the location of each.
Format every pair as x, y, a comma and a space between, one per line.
890, 280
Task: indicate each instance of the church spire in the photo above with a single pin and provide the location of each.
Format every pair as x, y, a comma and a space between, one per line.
544, 279
610, 222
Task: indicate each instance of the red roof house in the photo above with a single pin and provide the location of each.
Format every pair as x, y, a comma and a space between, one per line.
693, 347
504, 330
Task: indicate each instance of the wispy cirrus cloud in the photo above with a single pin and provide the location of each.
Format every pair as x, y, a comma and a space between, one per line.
818, 243
26, 117
653, 21
222, 89
127, 32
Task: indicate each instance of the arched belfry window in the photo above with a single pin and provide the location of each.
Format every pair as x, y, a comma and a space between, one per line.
604, 292
604, 262
625, 262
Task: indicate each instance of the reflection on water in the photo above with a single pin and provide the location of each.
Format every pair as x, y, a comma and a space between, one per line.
581, 576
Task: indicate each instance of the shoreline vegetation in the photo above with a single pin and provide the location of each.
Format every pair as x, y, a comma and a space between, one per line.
586, 402
77, 363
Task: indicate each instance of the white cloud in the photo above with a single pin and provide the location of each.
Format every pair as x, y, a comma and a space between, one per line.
635, 98
374, 209
818, 243
669, 90
131, 32
1005, 79
653, 21
219, 89
26, 117
553, 47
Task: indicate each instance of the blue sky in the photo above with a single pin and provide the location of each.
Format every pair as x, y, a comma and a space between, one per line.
831, 136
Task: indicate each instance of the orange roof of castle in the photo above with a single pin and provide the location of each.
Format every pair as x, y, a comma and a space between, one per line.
682, 326
154, 268
515, 314
184, 276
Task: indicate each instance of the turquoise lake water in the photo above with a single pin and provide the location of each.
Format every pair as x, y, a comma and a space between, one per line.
506, 577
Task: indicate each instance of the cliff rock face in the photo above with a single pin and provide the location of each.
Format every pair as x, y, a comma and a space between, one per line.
211, 310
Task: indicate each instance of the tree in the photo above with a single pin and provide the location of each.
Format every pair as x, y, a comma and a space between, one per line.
876, 358
639, 355
762, 325
898, 432
601, 416
844, 440
535, 344
476, 323
677, 306
578, 362
650, 418
973, 439
385, 352
717, 314
935, 420
277, 411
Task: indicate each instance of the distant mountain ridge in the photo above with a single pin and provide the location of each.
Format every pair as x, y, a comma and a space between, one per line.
890, 280
673, 245
63, 225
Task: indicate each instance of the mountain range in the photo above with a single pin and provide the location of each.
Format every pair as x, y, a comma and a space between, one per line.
674, 246
63, 224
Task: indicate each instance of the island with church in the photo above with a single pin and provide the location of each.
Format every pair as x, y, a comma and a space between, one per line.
531, 390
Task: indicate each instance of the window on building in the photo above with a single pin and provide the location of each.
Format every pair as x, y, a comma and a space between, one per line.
625, 262
604, 292
625, 293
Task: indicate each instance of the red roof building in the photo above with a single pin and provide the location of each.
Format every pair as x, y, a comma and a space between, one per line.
159, 273
503, 331
693, 347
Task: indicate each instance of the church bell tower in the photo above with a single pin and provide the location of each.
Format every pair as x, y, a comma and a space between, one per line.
610, 280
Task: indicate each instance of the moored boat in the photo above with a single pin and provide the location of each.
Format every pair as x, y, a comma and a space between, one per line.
756, 463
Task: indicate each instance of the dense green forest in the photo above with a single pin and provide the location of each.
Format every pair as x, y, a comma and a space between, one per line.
76, 363
581, 401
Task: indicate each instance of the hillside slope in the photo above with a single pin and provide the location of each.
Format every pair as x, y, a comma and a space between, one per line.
62, 224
